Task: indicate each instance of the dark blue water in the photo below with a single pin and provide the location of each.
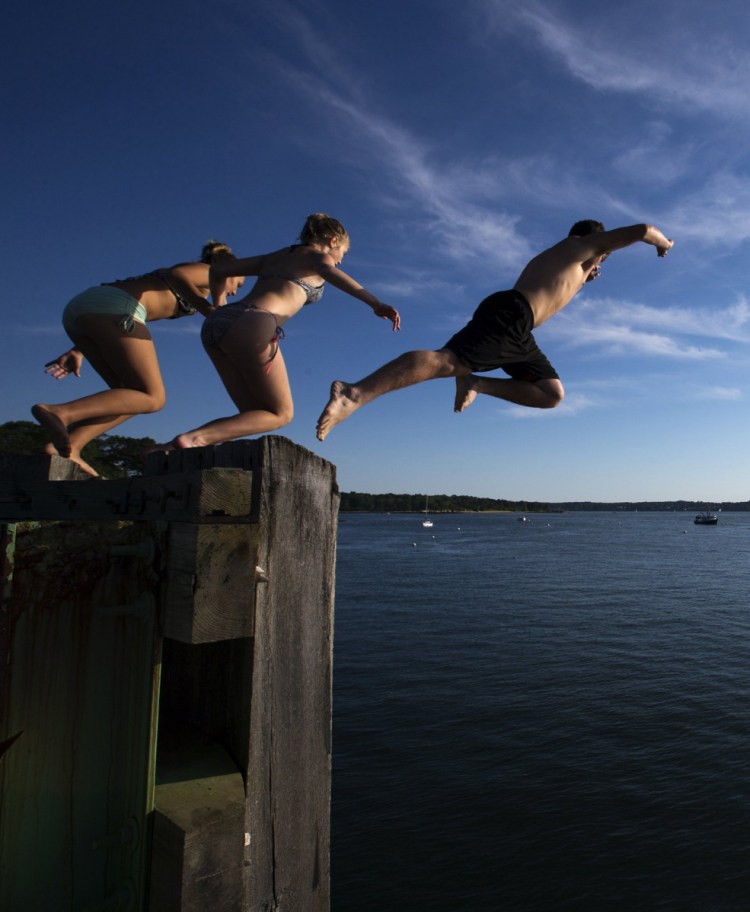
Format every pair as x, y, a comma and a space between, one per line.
550, 715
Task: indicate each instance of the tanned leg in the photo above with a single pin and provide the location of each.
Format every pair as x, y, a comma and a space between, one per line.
538, 394
254, 374
128, 365
406, 370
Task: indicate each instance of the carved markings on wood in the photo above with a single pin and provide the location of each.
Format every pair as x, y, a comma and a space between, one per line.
211, 495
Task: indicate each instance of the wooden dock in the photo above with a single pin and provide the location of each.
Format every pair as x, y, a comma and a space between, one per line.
165, 682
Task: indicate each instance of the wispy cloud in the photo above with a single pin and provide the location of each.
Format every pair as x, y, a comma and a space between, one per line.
573, 404
613, 327
463, 228
619, 340
449, 198
654, 144
41, 329
716, 213
720, 393
701, 71
728, 322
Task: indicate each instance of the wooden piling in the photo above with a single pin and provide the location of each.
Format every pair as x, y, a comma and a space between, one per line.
165, 668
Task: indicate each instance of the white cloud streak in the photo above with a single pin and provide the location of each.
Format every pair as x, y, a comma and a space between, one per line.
720, 394
573, 404
444, 197
462, 228
613, 327
717, 213
695, 71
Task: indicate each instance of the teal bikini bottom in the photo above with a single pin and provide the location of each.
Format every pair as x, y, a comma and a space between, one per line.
104, 299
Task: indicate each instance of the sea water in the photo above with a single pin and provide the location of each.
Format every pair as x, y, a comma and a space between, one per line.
542, 715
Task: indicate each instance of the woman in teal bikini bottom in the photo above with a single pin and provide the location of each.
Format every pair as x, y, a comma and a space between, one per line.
107, 325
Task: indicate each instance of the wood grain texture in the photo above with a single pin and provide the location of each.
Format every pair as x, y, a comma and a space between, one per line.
288, 811
198, 827
210, 582
80, 677
230, 552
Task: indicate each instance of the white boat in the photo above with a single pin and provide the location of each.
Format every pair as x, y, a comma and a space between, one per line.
427, 522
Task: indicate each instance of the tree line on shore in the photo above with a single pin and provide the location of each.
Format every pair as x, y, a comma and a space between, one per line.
117, 456
356, 502
112, 455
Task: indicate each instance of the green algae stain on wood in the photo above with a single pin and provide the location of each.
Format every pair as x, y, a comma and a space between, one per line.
76, 790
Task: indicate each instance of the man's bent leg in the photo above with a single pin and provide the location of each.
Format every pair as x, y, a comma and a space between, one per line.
406, 370
533, 394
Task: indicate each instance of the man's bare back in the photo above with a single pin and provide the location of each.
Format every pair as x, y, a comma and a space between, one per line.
547, 283
553, 278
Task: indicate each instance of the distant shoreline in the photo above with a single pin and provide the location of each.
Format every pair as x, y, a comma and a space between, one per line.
354, 502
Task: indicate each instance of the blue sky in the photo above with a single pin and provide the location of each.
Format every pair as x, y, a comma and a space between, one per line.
454, 141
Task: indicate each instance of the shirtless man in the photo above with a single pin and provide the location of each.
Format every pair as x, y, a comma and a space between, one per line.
499, 335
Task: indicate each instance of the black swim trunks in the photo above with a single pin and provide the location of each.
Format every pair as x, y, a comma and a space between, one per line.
499, 336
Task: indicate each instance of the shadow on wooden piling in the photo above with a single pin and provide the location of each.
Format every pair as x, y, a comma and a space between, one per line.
166, 651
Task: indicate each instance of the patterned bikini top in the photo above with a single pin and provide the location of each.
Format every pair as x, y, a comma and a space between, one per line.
314, 292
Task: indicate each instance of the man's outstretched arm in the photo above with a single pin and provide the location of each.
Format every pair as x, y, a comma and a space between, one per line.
606, 242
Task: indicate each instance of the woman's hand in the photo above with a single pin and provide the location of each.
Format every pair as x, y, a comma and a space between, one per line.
386, 312
68, 363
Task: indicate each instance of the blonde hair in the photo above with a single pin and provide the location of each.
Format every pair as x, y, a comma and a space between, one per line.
320, 228
216, 250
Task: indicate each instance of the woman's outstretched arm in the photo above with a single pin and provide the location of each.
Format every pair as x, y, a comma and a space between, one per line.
330, 273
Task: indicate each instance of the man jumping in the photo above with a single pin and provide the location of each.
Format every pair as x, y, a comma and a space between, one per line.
499, 334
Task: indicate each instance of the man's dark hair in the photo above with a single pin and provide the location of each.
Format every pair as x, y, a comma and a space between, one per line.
587, 226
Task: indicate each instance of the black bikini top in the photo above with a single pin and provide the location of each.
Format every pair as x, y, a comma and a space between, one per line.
184, 307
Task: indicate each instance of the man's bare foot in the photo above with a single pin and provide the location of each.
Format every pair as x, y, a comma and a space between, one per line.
54, 427
466, 392
340, 406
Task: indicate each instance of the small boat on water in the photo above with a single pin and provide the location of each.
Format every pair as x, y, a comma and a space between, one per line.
427, 522
706, 519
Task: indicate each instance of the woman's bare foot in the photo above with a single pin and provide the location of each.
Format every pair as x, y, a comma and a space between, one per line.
466, 392
54, 427
180, 442
187, 441
157, 448
50, 450
340, 406
89, 470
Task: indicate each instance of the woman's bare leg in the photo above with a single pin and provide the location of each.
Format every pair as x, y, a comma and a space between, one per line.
406, 370
126, 362
533, 394
262, 395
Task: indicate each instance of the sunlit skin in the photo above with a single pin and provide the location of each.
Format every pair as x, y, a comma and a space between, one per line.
126, 362
248, 360
548, 282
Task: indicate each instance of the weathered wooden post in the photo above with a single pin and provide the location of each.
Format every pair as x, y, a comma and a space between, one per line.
203, 588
